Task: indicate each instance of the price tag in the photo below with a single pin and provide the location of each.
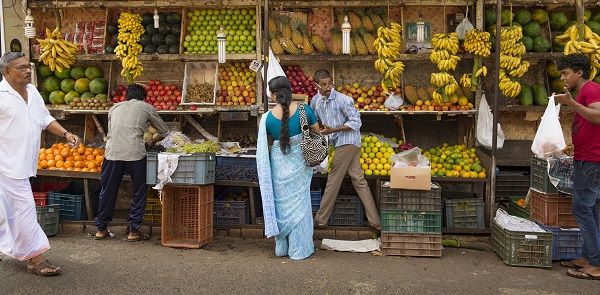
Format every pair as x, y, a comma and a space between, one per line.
255, 65
531, 237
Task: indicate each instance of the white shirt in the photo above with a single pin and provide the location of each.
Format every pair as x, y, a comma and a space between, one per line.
21, 125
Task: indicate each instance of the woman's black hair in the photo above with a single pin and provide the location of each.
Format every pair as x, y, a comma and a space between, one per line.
135, 91
281, 87
575, 62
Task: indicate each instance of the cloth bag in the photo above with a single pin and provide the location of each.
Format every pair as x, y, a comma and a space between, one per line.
549, 137
313, 144
485, 126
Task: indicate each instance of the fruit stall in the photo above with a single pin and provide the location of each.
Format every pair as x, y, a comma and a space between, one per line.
86, 52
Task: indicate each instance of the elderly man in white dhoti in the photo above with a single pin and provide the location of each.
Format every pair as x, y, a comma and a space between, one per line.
23, 116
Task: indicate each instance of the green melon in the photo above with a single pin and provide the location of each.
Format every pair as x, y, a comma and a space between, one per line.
522, 16
45, 96
57, 97
69, 97
82, 85
557, 85
505, 17
596, 17
51, 84
77, 73
64, 74
539, 15
490, 16
67, 85
553, 72
557, 47
532, 29
558, 20
44, 71
594, 26
528, 42
541, 44
87, 95
98, 86
526, 95
102, 97
540, 95
93, 72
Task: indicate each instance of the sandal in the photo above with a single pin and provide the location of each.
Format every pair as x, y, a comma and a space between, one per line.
570, 264
581, 275
103, 234
136, 235
39, 268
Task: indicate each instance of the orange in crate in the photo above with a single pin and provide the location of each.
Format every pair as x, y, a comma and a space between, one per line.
62, 157
187, 216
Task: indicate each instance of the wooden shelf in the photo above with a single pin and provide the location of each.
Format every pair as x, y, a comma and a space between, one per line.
166, 57
520, 108
236, 183
354, 58
62, 109
362, 3
141, 4
446, 113
433, 179
68, 174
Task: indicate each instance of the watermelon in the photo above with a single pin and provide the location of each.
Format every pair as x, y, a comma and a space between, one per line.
532, 29
557, 47
522, 16
528, 42
490, 16
558, 20
540, 95
594, 26
506, 17
539, 15
596, 17
541, 44
98, 86
526, 95
173, 18
77, 73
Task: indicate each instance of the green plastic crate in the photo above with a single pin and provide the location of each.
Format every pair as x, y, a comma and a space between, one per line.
522, 248
404, 221
47, 217
464, 213
516, 210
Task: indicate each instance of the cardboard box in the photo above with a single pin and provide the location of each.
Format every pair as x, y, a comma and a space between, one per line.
410, 178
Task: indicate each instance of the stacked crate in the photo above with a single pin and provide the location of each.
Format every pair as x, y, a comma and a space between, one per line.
552, 210
411, 221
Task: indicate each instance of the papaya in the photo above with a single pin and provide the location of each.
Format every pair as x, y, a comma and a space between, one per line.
526, 95
540, 95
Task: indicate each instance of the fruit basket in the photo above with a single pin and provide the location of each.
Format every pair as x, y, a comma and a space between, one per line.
199, 84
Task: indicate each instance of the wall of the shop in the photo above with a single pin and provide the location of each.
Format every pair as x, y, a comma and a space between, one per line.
13, 15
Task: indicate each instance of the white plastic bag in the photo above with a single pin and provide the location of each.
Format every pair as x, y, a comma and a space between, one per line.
485, 122
549, 137
393, 102
410, 158
273, 70
323, 167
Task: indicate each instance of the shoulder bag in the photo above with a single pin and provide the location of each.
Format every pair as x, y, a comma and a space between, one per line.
313, 144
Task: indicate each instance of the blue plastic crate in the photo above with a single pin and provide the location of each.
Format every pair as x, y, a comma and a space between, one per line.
231, 212
347, 211
71, 201
196, 169
567, 243
315, 200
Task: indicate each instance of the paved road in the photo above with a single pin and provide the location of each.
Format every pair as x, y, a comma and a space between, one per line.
246, 266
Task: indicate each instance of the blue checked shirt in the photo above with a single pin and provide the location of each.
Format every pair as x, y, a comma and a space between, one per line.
335, 111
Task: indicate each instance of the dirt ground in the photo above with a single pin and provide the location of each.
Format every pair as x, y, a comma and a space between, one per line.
245, 266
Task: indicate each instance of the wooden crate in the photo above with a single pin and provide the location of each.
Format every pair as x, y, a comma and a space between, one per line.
199, 72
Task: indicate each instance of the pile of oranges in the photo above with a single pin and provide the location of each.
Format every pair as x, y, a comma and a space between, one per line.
61, 156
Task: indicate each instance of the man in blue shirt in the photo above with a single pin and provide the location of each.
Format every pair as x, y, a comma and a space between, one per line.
341, 122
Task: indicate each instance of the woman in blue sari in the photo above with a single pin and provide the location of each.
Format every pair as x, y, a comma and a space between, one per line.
283, 175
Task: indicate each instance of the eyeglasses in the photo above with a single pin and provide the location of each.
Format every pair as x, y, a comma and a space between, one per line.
325, 85
21, 67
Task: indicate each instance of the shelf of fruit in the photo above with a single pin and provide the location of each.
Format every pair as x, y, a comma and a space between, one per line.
165, 57
137, 3
61, 157
368, 57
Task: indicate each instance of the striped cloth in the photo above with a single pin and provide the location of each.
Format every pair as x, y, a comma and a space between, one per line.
337, 110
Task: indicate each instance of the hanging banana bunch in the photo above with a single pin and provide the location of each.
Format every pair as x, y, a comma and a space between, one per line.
512, 65
128, 49
389, 45
56, 52
445, 47
477, 43
579, 38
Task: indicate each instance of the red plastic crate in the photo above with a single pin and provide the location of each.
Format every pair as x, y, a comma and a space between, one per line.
187, 216
41, 199
551, 209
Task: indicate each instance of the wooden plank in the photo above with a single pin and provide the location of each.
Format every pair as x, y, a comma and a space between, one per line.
88, 199
90, 128
142, 3
68, 174
100, 128
200, 129
252, 206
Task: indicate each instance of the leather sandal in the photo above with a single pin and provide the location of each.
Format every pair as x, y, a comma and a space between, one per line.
103, 234
38, 269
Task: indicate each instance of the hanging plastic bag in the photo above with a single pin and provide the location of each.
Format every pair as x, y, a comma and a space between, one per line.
393, 102
485, 122
549, 137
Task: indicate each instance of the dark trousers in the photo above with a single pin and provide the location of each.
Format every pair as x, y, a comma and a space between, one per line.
112, 175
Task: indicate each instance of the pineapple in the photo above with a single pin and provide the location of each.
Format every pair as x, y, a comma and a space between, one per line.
297, 33
430, 90
307, 47
353, 49
422, 93
361, 48
354, 20
376, 19
411, 94
286, 29
318, 43
369, 40
339, 14
289, 46
272, 26
336, 43
276, 44
366, 21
